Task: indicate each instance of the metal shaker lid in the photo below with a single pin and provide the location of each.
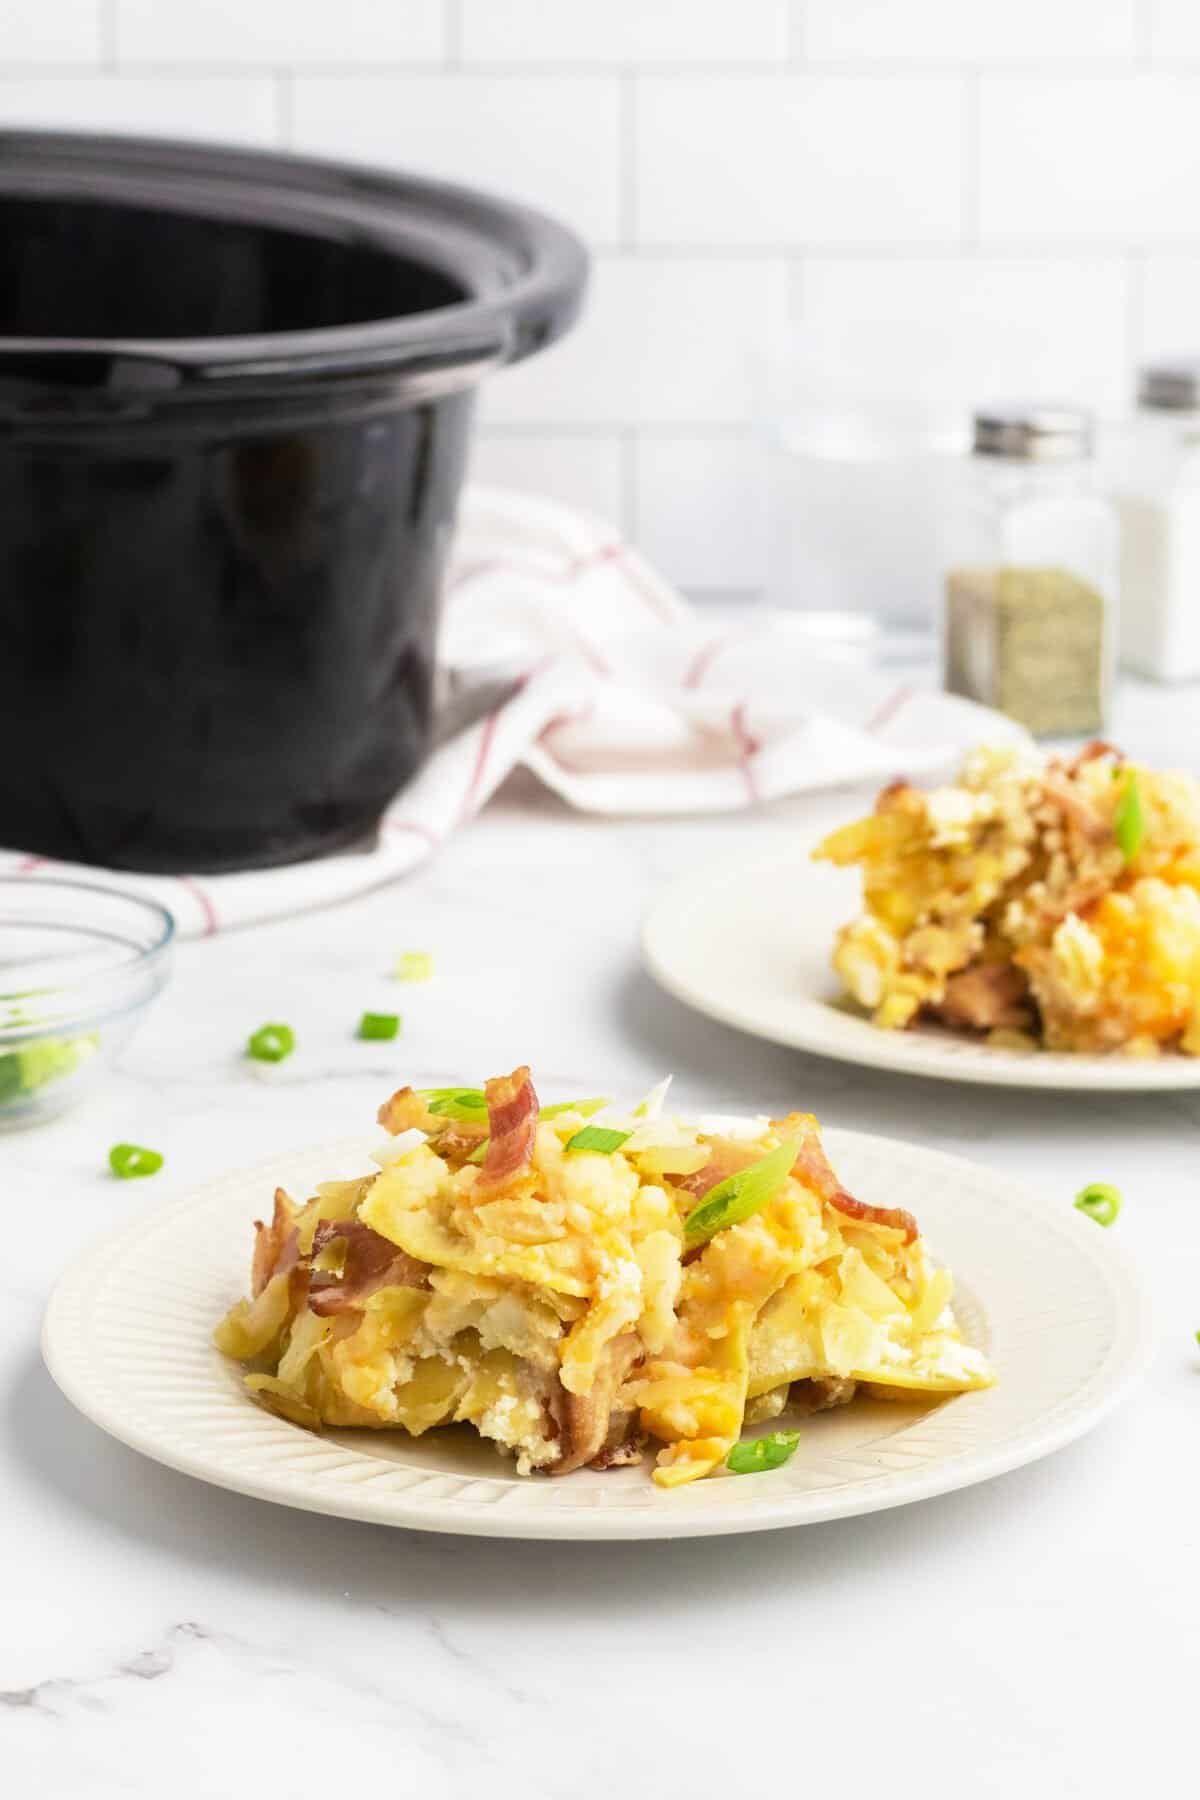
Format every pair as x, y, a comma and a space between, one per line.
1170, 386
1037, 432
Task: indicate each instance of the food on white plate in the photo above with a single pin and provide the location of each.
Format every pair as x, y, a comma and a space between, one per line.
1039, 903
578, 1282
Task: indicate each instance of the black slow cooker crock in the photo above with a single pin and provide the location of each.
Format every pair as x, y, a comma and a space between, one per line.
235, 399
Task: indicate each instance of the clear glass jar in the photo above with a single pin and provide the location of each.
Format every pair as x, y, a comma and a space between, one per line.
1159, 499
1031, 573
858, 453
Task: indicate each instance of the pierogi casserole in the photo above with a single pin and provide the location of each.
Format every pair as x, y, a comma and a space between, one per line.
1040, 903
579, 1283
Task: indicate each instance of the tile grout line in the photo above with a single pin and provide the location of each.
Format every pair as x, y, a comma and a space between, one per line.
452, 34
796, 42
285, 107
109, 46
972, 100
1135, 316
631, 521
627, 103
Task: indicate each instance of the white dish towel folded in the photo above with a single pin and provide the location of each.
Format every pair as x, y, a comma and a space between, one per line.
564, 652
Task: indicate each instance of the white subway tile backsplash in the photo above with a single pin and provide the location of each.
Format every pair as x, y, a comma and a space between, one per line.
1012, 185
50, 31
585, 472
551, 141
1170, 306
1174, 28
280, 31
968, 31
987, 327
662, 341
1112, 158
783, 160
700, 505
237, 108
624, 31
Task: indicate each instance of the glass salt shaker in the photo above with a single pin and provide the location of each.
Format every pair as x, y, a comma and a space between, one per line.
1031, 573
1159, 499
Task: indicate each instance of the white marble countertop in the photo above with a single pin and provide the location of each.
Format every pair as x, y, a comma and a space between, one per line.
1039, 1634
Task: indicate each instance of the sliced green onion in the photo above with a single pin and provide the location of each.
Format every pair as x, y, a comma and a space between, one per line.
379, 1027
739, 1196
271, 1043
597, 1137
479, 1154
128, 1161
414, 965
770, 1452
455, 1103
1129, 821
585, 1108
1100, 1201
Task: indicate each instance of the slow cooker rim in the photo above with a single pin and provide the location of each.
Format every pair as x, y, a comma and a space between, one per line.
463, 339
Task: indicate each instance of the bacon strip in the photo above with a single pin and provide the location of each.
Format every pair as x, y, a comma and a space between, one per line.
372, 1262
1096, 747
583, 1420
986, 997
894, 1216
512, 1125
458, 1140
814, 1168
276, 1246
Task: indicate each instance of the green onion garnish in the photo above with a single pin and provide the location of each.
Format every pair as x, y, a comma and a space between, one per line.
479, 1153
1100, 1201
455, 1103
770, 1452
1129, 821
127, 1161
271, 1043
379, 1027
739, 1196
414, 965
597, 1137
585, 1108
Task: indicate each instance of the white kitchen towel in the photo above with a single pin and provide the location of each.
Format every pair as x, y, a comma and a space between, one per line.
563, 651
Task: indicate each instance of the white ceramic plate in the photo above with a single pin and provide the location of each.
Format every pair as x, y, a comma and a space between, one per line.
751, 946
1042, 1289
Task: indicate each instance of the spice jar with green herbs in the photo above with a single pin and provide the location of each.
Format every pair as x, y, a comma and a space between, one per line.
1029, 622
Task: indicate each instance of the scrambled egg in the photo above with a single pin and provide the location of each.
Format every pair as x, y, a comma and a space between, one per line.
574, 1283
1045, 904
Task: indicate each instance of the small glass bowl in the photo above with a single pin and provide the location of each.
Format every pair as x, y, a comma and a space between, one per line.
79, 965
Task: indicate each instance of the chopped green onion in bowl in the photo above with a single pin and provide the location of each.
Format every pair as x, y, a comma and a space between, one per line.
32, 1065
739, 1196
1100, 1201
129, 1162
597, 1137
770, 1452
271, 1043
379, 1027
414, 965
1129, 820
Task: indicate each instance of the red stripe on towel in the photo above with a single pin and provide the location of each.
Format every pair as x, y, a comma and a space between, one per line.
891, 706
203, 901
749, 746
